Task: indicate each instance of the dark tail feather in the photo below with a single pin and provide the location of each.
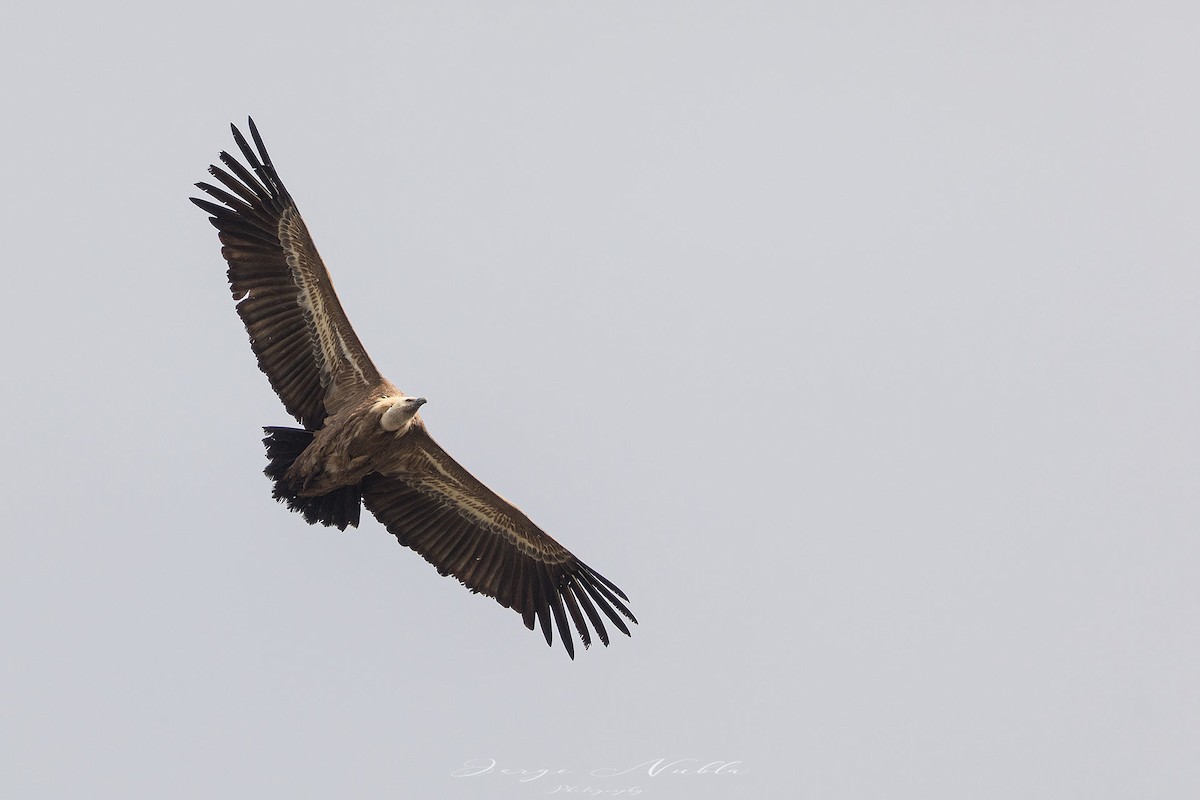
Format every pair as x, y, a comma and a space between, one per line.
340, 507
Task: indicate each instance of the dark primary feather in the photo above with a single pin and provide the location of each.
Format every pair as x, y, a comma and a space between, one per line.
252, 207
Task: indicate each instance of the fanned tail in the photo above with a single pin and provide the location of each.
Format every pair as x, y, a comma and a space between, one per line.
340, 507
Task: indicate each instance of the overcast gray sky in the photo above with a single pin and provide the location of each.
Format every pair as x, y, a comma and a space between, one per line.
857, 342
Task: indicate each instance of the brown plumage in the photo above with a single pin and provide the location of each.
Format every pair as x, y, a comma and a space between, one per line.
363, 440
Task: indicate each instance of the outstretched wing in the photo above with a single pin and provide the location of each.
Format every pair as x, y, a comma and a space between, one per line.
464, 529
297, 327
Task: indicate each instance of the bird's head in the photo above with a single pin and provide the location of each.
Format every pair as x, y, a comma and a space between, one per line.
400, 412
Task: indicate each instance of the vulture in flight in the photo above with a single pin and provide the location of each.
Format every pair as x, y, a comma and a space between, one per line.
363, 441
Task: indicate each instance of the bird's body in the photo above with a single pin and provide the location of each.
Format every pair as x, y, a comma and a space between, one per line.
363, 441
353, 443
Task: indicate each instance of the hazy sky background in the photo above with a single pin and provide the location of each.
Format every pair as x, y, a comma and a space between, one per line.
857, 342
